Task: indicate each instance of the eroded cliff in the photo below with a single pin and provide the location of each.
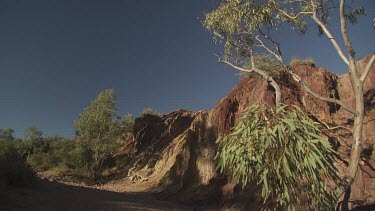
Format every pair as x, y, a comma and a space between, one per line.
174, 154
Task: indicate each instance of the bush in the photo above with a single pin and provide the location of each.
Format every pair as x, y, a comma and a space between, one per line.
54, 154
39, 152
281, 151
309, 61
40, 162
13, 169
61, 154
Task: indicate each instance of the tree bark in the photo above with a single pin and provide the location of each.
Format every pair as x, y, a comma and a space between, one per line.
356, 150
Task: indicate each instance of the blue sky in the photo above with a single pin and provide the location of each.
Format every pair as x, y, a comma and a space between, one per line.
57, 55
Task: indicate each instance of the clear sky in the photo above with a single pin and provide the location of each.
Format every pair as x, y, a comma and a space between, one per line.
57, 55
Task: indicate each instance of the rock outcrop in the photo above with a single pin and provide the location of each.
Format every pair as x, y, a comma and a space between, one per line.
174, 154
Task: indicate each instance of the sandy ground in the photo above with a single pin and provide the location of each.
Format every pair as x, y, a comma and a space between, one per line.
49, 196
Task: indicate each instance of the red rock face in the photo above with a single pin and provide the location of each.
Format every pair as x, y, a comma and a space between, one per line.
229, 109
250, 90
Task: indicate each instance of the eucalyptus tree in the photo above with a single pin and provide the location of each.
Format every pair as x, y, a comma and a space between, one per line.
245, 27
240, 25
98, 128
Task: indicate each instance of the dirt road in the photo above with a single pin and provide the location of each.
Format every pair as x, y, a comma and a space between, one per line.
50, 196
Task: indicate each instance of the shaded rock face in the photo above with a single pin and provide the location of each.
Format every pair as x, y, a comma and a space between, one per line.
229, 109
174, 153
153, 131
152, 134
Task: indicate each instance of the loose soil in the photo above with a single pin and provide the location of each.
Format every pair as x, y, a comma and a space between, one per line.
50, 195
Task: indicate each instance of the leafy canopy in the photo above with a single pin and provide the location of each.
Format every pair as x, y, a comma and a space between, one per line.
244, 24
100, 118
98, 128
281, 151
235, 22
32, 133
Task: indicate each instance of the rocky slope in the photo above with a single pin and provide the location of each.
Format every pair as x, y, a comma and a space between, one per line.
174, 154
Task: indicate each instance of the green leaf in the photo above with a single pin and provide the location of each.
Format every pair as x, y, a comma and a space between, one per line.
278, 157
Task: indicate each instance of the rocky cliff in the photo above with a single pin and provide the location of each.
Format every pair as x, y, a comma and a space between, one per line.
174, 154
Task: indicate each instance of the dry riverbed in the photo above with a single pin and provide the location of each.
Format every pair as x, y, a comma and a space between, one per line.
50, 195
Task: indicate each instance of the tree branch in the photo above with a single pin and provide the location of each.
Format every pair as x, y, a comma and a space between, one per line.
252, 58
268, 49
294, 17
234, 44
368, 68
265, 75
329, 35
235, 67
343, 30
298, 79
276, 44
332, 128
331, 100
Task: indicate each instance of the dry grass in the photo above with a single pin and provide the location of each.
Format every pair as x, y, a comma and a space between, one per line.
308, 61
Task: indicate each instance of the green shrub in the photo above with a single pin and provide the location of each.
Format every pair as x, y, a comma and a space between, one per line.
41, 153
309, 62
40, 162
55, 154
62, 154
13, 169
281, 151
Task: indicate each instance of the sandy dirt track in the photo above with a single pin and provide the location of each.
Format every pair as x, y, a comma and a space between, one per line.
50, 196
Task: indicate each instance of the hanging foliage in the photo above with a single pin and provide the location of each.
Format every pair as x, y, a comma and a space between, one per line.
281, 151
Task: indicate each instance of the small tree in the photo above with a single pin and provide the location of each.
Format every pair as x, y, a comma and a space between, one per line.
98, 128
127, 123
32, 133
6, 135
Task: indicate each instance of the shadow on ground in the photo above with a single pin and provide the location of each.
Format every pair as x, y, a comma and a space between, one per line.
49, 195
